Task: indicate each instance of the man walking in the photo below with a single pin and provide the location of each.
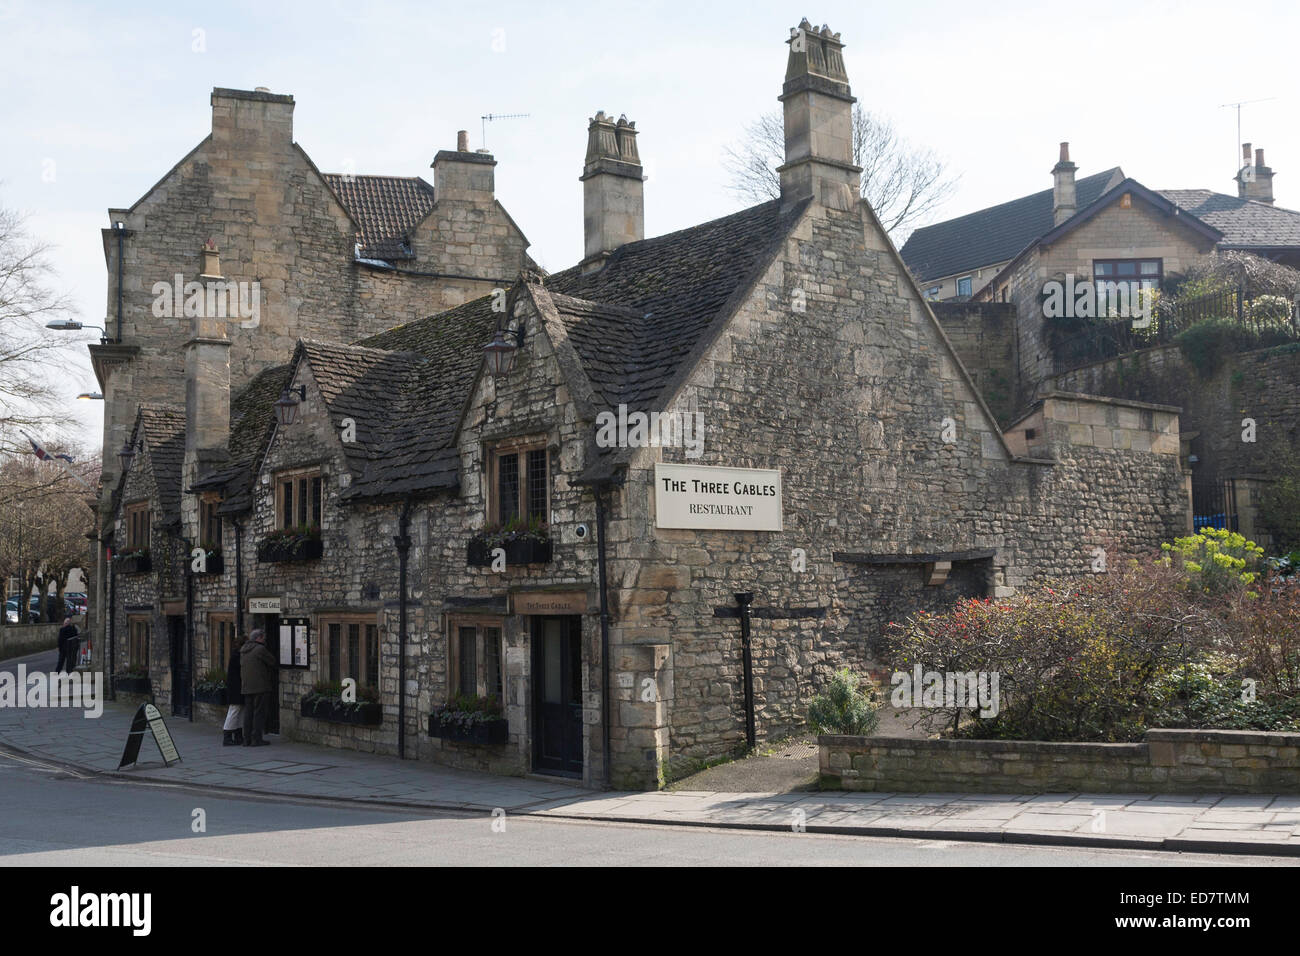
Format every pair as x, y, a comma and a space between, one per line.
69, 644
257, 668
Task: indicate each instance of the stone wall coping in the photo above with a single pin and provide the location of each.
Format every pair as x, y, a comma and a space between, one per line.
1107, 400
983, 746
1268, 738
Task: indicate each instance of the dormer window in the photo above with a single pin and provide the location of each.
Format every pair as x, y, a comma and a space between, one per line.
298, 499
520, 479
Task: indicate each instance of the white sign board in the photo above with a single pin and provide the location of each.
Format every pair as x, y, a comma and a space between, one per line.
732, 499
264, 605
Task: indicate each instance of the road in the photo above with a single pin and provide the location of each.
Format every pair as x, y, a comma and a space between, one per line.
51, 816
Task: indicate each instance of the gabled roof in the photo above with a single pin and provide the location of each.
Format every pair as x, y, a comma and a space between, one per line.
635, 327
252, 420
1245, 223
995, 234
160, 431
386, 209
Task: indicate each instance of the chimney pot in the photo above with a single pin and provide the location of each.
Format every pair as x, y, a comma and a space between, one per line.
613, 201
1245, 153
1259, 158
1065, 152
462, 141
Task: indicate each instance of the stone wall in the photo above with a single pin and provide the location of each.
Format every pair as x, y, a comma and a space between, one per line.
850, 405
983, 334
1168, 761
19, 640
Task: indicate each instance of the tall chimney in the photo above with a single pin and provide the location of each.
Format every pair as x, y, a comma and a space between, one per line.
613, 201
246, 123
207, 383
1255, 181
1064, 204
462, 176
818, 108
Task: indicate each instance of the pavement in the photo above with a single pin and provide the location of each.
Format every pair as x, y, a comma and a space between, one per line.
1265, 824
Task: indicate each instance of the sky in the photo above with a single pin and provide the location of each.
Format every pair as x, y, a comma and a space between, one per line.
100, 100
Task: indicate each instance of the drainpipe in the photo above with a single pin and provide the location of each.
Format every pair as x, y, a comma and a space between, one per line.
239, 578
744, 600
120, 229
112, 622
604, 630
188, 571
403, 543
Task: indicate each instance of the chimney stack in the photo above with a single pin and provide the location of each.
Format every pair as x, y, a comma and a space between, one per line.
818, 110
207, 384
1254, 181
248, 123
613, 201
1064, 204
463, 176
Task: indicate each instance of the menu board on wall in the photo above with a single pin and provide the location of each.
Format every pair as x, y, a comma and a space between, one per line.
295, 633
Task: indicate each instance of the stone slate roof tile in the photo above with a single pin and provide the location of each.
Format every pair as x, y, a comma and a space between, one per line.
1245, 223
386, 208
992, 235
161, 428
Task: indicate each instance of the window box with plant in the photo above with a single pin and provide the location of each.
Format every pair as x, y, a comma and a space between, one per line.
524, 542
291, 544
133, 680
475, 720
211, 688
325, 702
133, 561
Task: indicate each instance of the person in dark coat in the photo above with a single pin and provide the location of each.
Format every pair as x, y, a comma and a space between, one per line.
257, 668
69, 645
233, 728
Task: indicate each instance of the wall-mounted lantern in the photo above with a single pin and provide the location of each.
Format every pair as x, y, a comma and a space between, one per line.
125, 457
286, 406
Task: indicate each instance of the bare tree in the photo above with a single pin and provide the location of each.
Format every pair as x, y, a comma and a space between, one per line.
45, 516
29, 352
903, 183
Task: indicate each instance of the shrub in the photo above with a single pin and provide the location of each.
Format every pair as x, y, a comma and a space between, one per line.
843, 707
1214, 560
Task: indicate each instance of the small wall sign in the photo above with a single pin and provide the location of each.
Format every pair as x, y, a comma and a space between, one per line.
264, 605
549, 602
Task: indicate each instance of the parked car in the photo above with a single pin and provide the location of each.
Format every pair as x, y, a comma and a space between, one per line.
71, 609
11, 610
78, 602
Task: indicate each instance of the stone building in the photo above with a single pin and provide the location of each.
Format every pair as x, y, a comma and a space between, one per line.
245, 226
472, 504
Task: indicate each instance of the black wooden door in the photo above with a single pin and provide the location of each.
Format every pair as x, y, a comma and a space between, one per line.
180, 661
557, 694
270, 625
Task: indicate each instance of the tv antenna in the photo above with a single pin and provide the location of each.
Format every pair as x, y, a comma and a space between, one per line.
498, 116
1238, 106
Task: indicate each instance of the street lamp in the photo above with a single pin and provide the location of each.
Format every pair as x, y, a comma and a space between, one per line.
72, 325
286, 406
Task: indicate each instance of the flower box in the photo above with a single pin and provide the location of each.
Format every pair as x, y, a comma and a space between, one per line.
132, 684
485, 732
518, 551
367, 713
216, 696
282, 549
138, 563
213, 563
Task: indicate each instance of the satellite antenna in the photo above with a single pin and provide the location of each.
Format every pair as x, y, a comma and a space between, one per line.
498, 116
1237, 145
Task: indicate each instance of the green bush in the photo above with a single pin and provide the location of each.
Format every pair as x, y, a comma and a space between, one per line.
843, 707
1206, 344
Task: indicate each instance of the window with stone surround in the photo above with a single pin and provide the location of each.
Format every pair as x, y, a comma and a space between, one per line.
476, 654
209, 521
1133, 275
221, 632
138, 642
519, 482
298, 498
349, 647
137, 525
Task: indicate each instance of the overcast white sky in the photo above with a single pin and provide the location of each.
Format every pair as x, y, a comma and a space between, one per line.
107, 97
